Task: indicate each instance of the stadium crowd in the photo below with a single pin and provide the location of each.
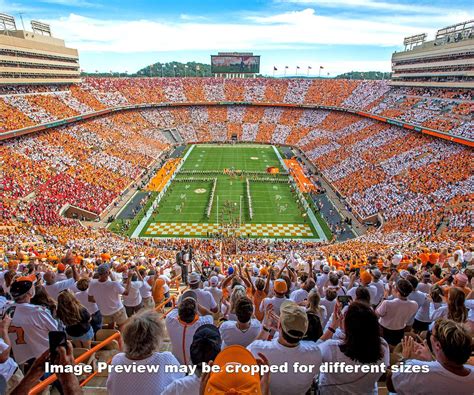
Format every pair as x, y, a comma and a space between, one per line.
270, 302
341, 304
445, 110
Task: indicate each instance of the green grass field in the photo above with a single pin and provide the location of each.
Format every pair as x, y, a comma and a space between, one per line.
277, 212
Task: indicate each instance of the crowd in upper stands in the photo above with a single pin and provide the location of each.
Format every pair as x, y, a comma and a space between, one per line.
446, 110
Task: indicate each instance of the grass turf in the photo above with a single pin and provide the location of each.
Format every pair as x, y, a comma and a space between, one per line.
273, 203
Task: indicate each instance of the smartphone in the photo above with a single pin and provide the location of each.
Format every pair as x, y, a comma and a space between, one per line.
344, 300
357, 271
56, 339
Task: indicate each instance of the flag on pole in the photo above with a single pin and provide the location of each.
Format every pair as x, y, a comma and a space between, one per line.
321, 67
309, 67
297, 67
286, 67
274, 68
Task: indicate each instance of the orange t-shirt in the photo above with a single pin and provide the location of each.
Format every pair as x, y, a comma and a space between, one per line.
158, 290
424, 257
434, 257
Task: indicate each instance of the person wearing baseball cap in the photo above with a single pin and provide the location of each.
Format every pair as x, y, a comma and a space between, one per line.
183, 322
322, 279
215, 291
54, 283
232, 380
34, 322
279, 288
288, 348
379, 286
204, 297
107, 294
205, 347
365, 280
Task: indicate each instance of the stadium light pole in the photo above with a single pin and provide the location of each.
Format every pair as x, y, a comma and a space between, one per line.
185, 70
174, 71
286, 68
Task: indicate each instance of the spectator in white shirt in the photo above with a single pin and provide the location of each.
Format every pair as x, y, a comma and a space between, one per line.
142, 337
133, 300
394, 314
214, 290
205, 347
82, 296
145, 291
365, 281
243, 331
448, 373
288, 348
322, 279
300, 295
417, 296
183, 322
328, 302
279, 288
54, 287
362, 345
425, 284
107, 294
379, 285
204, 298
30, 324
430, 305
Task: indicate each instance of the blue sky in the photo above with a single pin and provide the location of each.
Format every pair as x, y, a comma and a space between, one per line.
341, 35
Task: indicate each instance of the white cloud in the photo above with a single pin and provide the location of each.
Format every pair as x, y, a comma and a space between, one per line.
291, 29
370, 4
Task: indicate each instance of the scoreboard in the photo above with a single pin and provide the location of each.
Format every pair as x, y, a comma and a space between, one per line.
235, 63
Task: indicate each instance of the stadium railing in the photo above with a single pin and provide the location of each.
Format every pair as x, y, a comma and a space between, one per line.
84, 357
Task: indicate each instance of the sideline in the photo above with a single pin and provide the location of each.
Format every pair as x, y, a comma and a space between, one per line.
309, 212
146, 218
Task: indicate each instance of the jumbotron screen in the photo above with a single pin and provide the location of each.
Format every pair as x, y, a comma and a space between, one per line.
235, 64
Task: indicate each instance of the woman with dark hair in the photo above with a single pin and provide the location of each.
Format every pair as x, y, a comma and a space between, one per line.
76, 319
362, 345
42, 298
362, 295
394, 314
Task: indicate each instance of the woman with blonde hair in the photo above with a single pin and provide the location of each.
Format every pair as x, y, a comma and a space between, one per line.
76, 319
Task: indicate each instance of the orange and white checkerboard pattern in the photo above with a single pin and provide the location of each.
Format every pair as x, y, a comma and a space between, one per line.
175, 229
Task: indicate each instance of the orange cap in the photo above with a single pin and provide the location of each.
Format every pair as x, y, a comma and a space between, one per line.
365, 277
280, 286
228, 381
30, 278
61, 267
264, 271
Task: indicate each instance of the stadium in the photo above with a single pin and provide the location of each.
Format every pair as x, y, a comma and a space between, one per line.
236, 219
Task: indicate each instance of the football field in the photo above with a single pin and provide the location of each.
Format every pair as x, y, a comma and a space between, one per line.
227, 189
